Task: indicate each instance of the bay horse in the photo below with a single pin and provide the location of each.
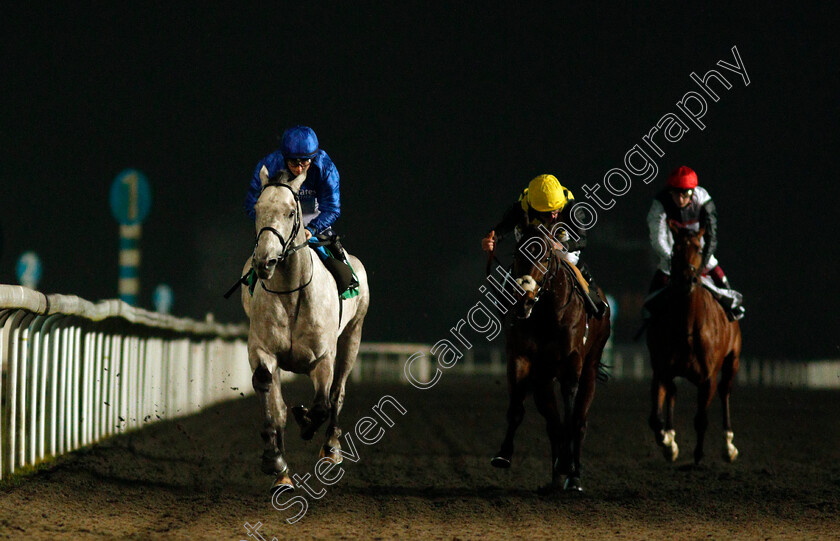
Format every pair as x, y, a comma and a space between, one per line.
690, 336
550, 337
298, 324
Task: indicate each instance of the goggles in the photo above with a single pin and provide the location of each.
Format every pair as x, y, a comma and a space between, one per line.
299, 162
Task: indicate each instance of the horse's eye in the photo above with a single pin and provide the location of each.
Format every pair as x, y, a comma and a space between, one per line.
292, 214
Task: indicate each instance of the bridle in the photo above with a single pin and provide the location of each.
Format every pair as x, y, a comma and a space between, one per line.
553, 265
694, 275
288, 248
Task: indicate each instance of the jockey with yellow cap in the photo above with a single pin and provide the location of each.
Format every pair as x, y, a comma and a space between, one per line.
545, 201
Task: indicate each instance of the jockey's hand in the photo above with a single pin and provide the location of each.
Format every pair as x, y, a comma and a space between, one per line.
488, 243
308, 233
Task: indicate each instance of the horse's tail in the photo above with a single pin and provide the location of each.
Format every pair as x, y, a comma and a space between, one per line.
604, 373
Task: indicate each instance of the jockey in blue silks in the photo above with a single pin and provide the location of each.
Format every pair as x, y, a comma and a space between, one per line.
319, 196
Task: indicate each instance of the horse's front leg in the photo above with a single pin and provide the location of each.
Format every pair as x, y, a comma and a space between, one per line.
729, 369
576, 426
266, 382
546, 402
518, 371
321, 374
569, 391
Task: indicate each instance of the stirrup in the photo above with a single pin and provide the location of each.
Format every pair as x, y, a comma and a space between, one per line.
600, 305
594, 305
735, 313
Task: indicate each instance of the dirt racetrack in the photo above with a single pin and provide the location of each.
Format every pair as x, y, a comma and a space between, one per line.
430, 475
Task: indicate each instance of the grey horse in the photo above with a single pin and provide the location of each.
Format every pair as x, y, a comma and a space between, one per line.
298, 324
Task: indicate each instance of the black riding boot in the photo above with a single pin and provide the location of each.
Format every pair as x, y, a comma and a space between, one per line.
340, 267
600, 305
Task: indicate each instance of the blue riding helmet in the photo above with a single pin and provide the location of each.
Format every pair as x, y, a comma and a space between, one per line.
299, 142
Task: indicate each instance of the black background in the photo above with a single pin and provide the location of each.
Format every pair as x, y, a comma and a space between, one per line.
436, 118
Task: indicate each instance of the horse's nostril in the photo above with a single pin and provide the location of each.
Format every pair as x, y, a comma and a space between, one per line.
271, 262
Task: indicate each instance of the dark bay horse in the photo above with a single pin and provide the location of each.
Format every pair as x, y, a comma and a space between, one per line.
690, 336
550, 336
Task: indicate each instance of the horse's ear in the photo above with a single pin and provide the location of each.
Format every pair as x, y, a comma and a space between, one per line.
264, 176
295, 184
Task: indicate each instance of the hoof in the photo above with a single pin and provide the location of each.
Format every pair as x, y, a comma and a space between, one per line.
500, 462
301, 415
730, 452
573, 484
331, 454
671, 452
668, 440
273, 464
283, 483
309, 420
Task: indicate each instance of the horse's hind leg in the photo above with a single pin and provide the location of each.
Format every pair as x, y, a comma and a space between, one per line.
705, 393
347, 350
266, 382
729, 369
518, 370
546, 403
661, 421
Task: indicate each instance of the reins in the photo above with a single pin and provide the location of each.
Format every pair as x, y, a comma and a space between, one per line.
298, 288
571, 285
288, 248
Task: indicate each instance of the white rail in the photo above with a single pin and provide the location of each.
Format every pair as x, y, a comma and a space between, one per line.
74, 372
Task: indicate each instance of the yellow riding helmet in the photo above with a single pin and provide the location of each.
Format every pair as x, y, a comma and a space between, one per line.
545, 194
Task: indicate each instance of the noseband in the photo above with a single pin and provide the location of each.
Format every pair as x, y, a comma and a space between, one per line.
288, 248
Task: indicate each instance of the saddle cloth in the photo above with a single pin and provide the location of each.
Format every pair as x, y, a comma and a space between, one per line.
728, 298
581, 282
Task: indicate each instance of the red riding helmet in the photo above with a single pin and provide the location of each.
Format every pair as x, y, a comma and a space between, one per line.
683, 178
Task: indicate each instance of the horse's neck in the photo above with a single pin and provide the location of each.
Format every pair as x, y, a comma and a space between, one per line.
561, 284
685, 307
292, 273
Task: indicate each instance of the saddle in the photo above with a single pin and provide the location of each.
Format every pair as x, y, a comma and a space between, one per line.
582, 288
334, 257
582, 285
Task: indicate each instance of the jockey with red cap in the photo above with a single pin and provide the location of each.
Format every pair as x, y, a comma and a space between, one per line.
686, 205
